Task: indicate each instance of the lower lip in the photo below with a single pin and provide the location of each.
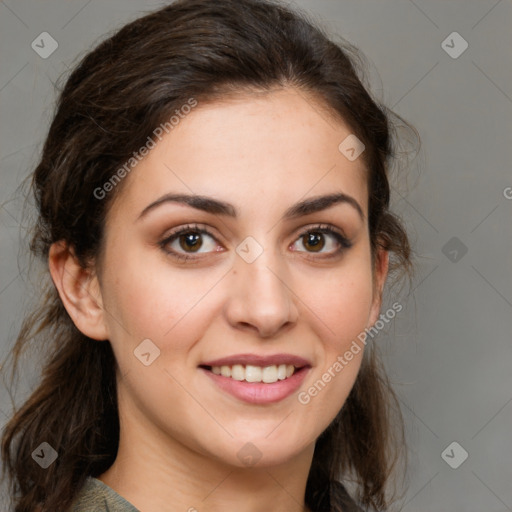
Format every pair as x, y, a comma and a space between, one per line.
259, 392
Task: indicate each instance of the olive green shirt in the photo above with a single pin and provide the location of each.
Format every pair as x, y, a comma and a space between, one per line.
95, 496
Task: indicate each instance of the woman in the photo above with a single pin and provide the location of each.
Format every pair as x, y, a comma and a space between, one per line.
213, 207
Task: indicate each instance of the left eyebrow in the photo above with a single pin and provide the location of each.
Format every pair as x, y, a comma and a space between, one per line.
316, 204
214, 206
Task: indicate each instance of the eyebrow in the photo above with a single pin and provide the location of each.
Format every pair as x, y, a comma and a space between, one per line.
214, 206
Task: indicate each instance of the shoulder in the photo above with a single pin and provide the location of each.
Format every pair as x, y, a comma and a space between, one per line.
99, 497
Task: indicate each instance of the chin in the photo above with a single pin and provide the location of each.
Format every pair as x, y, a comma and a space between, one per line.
263, 452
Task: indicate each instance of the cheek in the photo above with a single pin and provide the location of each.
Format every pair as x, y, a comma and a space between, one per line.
339, 312
347, 308
342, 301
169, 307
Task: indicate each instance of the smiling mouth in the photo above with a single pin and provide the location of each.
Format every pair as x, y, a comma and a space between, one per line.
255, 374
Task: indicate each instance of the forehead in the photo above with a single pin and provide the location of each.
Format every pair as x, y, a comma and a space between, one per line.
254, 149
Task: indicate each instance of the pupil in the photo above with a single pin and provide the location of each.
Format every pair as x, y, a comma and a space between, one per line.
314, 240
191, 240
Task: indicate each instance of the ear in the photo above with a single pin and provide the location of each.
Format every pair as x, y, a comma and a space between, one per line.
380, 273
79, 291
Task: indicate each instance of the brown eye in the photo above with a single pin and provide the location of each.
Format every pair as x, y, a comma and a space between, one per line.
323, 240
190, 241
314, 240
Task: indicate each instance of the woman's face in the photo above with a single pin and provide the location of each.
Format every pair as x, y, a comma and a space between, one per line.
263, 285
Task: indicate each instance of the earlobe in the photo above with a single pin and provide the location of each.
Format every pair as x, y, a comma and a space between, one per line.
79, 291
380, 275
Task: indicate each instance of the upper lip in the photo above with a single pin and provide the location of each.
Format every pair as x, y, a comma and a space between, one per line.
259, 360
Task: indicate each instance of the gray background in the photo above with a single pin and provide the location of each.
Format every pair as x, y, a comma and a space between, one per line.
449, 351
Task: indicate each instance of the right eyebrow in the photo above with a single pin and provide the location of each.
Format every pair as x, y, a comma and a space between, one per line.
204, 203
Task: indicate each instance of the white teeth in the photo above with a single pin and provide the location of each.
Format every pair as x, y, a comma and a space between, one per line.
281, 372
269, 374
237, 372
250, 373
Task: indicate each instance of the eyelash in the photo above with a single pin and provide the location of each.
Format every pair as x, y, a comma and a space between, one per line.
195, 228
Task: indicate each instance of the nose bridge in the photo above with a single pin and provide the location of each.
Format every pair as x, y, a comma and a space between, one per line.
261, 276
261, 297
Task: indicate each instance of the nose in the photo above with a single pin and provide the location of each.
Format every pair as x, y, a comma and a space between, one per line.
261, 296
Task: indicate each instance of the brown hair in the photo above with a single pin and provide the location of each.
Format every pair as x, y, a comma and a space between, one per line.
114, 99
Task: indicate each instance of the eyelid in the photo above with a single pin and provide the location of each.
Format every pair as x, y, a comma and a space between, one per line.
198, 228
321, 228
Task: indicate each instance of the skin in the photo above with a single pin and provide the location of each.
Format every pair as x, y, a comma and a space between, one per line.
180, 434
